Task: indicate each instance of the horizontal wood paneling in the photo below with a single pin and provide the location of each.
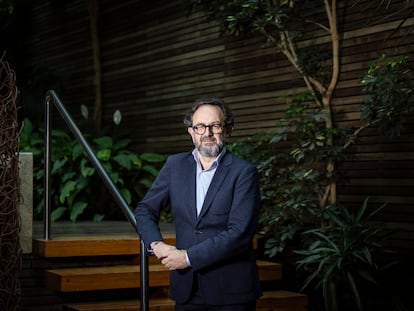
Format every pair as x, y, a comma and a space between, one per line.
156, 60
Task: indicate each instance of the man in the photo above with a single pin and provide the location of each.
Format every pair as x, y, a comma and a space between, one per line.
215, 201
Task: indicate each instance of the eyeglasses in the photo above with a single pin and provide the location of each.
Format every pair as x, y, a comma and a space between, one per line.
200, 129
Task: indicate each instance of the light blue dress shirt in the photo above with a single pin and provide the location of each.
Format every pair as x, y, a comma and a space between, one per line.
204, 178
203, 181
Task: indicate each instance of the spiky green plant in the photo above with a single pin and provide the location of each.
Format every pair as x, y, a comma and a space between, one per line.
341, 254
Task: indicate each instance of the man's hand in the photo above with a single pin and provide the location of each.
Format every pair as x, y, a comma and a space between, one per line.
162, 249
171, 257
176, 259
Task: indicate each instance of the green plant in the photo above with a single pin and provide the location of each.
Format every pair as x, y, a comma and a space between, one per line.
306, 173
77, 190
310, 147
299, 161
342, 254
293, 160
291, 164
388, 94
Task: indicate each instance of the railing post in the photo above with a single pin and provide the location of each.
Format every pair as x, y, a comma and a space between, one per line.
144, 275
47, 210
51, 97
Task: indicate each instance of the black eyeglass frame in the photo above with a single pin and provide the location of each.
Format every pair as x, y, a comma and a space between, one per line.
215, 128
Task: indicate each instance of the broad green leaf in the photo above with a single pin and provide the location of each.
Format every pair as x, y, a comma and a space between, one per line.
152, 157
123, 160
68, 175
66, 190
77, 151
115, 177
146, 182
126, 194
87, 171
104, 141
57, 213
26, 131
98, 217
121, 144
150, 169
103, 154
135, 159
58, 165
77, 210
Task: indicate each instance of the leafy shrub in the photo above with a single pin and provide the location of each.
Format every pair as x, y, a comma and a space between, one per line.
388, 94
341, 255
77, 191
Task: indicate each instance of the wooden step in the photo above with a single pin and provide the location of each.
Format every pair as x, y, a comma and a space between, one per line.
270, 301
282, 301
100, 278
98, 245
127, 276
87, 246
85, 258
269, 271
160, 304
128, 244
86, 238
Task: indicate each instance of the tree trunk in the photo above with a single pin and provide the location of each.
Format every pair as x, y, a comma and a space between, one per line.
93, 17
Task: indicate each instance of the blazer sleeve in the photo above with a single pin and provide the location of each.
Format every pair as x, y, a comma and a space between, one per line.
147, 212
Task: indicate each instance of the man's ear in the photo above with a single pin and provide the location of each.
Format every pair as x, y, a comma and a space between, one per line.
189, 129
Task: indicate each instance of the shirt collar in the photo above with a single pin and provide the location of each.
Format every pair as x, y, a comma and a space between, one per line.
216, 161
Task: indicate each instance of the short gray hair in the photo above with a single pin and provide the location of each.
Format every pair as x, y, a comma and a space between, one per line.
228, 115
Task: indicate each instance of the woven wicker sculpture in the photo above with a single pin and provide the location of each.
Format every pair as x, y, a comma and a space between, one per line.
10, 251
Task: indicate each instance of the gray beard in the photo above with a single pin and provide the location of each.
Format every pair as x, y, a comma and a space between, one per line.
210, 152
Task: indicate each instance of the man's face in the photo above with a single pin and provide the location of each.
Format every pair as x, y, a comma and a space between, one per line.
208, 143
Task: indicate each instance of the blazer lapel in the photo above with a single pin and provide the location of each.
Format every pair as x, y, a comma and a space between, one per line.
189, 174
216, 182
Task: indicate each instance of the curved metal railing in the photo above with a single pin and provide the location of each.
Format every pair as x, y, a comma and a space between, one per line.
53, 99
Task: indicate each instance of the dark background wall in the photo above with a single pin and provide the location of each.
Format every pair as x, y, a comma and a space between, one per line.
156, 60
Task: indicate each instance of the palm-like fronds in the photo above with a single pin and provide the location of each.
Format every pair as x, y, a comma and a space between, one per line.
342, 253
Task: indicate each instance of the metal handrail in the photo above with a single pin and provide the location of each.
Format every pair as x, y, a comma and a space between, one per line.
52, 98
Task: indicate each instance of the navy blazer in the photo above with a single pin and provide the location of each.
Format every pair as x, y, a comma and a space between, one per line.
218, 241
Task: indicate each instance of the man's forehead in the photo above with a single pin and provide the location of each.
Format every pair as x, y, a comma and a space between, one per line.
208, 111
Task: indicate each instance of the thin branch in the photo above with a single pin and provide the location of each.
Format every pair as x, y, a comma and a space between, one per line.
319, 25
333, 20
359, 130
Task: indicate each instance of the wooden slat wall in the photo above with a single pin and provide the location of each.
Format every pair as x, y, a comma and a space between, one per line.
156, 61
379, 169
58, 47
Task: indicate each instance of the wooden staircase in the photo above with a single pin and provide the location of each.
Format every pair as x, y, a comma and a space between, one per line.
102, 273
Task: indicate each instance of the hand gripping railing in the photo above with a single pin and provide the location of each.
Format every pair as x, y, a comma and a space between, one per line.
52, 98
